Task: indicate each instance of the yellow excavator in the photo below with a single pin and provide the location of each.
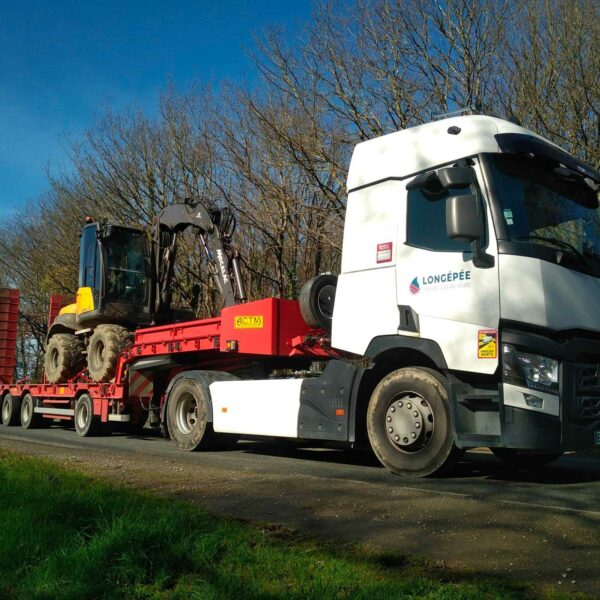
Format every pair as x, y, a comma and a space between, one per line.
125, 281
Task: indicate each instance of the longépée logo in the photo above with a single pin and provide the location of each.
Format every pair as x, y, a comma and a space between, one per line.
414, 286
441, 281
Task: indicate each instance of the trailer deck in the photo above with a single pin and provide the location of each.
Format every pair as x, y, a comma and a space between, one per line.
266, 328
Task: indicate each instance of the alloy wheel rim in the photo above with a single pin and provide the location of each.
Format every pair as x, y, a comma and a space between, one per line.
187, 413
409, 422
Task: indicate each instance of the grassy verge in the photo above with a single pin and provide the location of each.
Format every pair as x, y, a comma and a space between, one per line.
63, 535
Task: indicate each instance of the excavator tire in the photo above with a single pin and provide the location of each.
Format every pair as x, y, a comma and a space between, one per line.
64, 357
104, 347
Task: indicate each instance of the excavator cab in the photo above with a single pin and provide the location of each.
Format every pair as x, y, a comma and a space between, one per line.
114, 297
115, 281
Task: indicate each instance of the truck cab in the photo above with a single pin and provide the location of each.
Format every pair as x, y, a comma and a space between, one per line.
472, 247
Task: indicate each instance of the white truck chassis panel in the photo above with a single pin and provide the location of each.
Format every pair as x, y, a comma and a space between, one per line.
263, 407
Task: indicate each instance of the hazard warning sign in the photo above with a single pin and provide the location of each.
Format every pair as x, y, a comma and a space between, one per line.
487, 343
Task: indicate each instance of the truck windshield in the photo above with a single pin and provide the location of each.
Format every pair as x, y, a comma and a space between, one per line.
544, 203
127, 267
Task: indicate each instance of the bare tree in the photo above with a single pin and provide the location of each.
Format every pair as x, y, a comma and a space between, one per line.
553, 74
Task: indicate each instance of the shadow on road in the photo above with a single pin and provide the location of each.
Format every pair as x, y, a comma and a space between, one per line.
479, 465
567, 470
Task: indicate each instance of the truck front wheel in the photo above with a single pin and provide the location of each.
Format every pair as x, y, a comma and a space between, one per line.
409, 423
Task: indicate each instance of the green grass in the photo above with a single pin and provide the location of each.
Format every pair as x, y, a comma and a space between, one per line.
63, 535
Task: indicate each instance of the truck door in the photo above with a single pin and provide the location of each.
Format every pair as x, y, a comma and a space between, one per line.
448, 298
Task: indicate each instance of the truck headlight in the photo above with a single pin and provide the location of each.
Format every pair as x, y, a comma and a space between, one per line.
529, 370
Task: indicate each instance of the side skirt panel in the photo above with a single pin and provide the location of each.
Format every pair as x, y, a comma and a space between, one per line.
263, 407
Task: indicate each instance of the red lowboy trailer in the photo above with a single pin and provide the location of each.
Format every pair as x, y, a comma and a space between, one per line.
258, 337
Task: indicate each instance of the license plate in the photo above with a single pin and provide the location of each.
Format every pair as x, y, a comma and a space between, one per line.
596, 438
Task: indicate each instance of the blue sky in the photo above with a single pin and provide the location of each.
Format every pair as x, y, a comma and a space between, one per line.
61, 61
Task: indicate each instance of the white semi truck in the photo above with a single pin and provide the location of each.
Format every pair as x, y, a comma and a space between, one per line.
465, 315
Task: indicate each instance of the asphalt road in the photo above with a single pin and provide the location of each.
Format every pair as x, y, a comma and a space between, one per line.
541, 526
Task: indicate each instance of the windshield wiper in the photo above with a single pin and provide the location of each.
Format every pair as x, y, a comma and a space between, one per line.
556, 242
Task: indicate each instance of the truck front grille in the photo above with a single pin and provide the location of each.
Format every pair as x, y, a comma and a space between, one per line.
587, 393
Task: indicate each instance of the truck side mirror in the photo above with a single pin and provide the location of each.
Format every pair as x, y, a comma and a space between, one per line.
464, 217
464, 220
456, 177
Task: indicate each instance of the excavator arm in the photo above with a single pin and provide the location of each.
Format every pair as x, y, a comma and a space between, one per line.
214, 228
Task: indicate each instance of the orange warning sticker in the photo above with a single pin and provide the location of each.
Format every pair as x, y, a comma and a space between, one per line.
487, 343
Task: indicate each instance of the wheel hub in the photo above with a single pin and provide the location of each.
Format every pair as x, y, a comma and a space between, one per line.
326, 299
187, 414
409, 422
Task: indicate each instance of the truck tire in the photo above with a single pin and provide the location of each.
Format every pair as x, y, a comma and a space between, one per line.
104, 347
64, 357
86, 423
317, 298
525, 459
187, 415
409, 423
11, 410
29, 418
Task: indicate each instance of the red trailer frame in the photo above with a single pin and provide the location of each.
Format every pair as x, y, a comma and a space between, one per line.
271, 328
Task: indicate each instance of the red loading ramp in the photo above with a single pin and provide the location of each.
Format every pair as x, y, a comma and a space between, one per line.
9, 318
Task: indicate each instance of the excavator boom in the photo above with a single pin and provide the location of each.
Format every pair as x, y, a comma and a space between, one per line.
214, 228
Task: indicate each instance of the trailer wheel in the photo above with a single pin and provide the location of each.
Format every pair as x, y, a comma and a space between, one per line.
104, 348
64, 357
525, 459
187, 412
86, 424
29, 418
11, 410
409, 423
317, 298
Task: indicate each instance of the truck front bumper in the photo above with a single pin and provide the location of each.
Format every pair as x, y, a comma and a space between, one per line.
527, 429
559, 423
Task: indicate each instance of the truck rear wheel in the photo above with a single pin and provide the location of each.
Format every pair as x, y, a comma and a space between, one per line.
409, 423
187, 413
104, 348
64, 357
29, 418
11, 410
86, 423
